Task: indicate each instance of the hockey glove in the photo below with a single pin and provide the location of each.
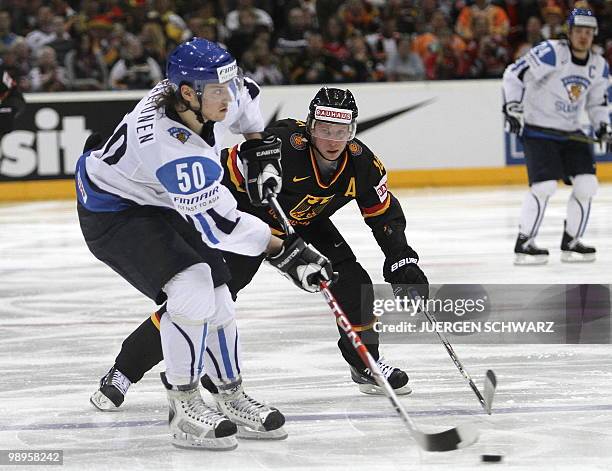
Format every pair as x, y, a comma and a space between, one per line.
302, 264
513, 113
261, 161
405, 275
604, 135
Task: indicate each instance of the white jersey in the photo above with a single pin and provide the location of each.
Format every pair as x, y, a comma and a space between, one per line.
555, 89
153, 160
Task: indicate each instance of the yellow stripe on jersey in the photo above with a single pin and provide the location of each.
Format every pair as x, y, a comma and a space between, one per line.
361, 328
232, 167
339, 171
376, 210
155, 320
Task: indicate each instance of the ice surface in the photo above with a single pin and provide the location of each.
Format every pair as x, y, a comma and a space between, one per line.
63, 316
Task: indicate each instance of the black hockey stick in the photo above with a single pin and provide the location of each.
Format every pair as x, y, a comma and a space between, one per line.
490, 383
569, 135
451, 439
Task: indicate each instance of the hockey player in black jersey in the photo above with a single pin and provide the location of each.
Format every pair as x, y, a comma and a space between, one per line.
324, 168
12, 102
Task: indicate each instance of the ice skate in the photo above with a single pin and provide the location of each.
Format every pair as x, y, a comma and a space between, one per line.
113, 388
195, 425
253, 419
397, 378
526, 252
574, 251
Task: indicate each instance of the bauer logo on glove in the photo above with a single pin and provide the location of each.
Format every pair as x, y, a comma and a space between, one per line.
405, 275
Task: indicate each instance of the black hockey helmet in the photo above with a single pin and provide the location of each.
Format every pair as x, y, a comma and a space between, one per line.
336, 106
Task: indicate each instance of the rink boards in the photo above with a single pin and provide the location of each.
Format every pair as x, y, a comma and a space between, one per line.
426, 133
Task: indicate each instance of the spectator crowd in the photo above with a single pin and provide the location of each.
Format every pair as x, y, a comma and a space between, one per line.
56, 45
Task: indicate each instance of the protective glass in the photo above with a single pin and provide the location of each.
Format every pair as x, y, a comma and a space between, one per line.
332, 131
213, 91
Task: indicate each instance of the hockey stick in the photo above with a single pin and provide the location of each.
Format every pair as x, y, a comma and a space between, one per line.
451, 439
569, 135
490, 383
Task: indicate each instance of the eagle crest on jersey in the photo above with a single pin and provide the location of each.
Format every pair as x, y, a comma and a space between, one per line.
309, 207
181, 134
575, 86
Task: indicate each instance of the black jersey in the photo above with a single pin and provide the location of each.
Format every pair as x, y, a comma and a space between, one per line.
306, 195
12, 102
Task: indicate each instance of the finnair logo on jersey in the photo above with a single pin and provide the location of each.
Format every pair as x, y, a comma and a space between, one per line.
333, 115
195, 204
575, 86
227, 72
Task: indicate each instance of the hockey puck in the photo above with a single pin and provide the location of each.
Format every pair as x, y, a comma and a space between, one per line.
491, 458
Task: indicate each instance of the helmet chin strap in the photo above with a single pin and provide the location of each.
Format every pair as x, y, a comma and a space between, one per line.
197, 112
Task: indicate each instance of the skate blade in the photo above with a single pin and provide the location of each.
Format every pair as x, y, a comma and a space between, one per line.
568, 256
524, 259
103, 403
213, 444
374, 390
248, 433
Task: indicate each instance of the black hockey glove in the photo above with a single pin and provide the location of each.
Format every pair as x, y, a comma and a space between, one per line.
604, 135
405, 275
302, 264
261, 161
513, 113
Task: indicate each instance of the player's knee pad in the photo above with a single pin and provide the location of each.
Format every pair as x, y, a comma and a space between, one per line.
584, 186
224, 307
191, 296
544, 190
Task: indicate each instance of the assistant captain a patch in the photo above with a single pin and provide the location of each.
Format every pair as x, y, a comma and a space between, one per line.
575, 86
181, 134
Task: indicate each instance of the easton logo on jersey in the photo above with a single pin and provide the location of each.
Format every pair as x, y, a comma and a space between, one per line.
575, 86
309, 207
181, 134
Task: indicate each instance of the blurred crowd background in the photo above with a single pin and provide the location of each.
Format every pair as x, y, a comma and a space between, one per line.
58, 45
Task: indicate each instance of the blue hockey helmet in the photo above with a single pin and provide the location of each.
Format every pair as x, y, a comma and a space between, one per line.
582, 17
197, 62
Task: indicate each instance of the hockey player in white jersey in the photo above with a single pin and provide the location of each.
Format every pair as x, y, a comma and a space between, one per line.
545, 92
151, 206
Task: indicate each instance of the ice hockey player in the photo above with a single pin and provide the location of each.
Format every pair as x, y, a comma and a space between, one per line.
151, 206
325, 168
545, 92
12, 102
